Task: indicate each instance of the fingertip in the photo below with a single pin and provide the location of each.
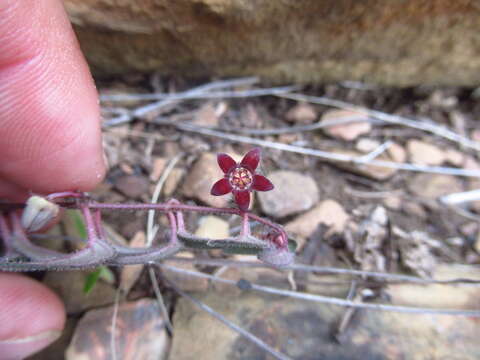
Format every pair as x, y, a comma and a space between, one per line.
49, 105
31, 316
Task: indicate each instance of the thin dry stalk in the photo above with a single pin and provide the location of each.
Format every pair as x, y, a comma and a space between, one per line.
173, 120
113, 333
388, 118
331, 156
199, 95
166, 100
159, 297
151, 110
151, 228
385, 277
461, 197
247, 81
375, 153
332, 300
151, 232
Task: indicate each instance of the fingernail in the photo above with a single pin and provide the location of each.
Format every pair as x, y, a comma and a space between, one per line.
19, 348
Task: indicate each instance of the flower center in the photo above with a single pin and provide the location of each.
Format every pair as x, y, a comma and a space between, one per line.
240, 178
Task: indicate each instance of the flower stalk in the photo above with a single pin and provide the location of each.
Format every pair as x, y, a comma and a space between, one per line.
22, 255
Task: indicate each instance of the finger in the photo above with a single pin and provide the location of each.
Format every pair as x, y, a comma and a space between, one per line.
11, 191
49, 116
31, 316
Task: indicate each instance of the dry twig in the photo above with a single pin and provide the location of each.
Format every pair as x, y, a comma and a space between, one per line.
332, 300
331, 156
385, 277
388, 118
152, 230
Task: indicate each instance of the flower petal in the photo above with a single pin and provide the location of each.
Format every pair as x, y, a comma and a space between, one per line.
251, 159
261, 183
225, 162
242, 198
221, 187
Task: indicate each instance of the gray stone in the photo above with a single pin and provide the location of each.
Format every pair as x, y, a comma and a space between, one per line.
172, 181
368, 170
212, 227
302, 113
328, 212
433, 186
293, 193
184, 281
69, 286
140, 333
397, 153
133, 186
348, 131
200, 179
423, 153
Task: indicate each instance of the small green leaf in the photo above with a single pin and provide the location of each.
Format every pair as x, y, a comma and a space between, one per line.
74, 225
79, 224
107, 275
91, 280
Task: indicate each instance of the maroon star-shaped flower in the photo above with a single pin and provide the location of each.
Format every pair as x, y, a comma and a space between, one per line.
240, 178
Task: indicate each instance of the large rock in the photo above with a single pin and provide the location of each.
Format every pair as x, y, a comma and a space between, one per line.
305, 330
397, 42
139, 333
69, 285
199, 181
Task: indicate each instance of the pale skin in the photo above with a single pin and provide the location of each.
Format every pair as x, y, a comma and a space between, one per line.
50, 140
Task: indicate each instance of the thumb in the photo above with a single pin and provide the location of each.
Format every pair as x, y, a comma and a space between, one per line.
31, 316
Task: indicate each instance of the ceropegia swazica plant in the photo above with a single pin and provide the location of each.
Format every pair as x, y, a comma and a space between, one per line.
271, 245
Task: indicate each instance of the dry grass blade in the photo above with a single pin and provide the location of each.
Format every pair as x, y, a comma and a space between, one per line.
461, 197
332, 300
221, 84
151, 232
201, 92
388, 118
152, 109
151, 229
160, 301
113, 345
249, 336
373, 194
376, 153
275, 131
328, 155
395, 278
121, 116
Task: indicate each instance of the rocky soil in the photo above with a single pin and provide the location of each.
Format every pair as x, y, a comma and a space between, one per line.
349, 215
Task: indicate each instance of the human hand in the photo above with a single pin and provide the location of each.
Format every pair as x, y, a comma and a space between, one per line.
49, 141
